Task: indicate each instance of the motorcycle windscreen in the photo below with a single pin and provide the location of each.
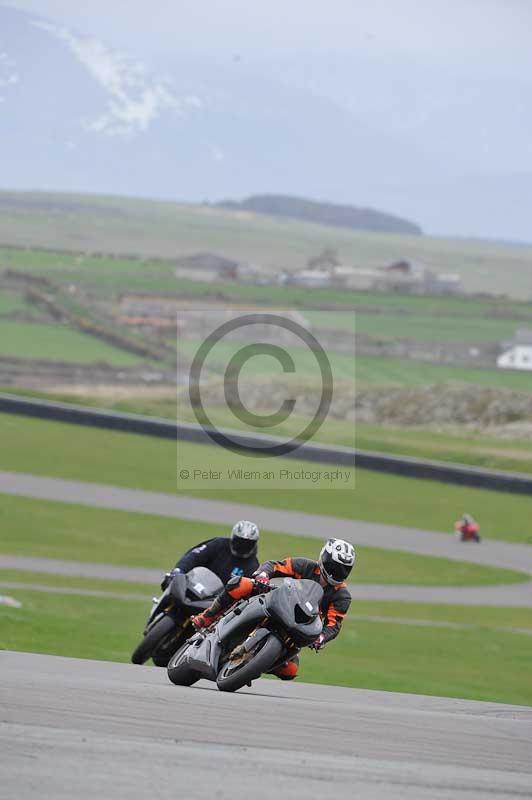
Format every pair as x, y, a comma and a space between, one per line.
296, 604
202, 583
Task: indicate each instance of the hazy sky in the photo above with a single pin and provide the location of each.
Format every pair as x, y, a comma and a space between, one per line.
431, 100
490, 35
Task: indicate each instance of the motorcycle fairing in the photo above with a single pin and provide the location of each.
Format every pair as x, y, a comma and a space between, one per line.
295, 605
241, 620
193, 590
202, 584
203, 654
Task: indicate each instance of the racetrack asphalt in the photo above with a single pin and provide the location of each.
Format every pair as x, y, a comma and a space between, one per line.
86, 729
489, 553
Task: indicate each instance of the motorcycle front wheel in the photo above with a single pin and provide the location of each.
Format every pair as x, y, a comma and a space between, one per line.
153, 640
233, 675
179, 671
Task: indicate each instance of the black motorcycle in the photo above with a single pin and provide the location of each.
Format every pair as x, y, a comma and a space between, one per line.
169, 622
255, 636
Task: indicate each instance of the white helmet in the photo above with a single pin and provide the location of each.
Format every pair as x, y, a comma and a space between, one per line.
244, 539
337, 559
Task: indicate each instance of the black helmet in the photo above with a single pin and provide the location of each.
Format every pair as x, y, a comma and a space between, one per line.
336, 561
244, 539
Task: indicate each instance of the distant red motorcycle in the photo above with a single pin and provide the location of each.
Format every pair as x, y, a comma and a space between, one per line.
467, 529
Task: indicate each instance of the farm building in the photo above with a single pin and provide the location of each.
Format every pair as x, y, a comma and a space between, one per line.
356, 279
518, 357
209, 261
310, 278
401, 276
410, 277
517, 353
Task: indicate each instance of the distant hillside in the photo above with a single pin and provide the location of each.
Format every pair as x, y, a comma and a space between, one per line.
360, 219
150, 229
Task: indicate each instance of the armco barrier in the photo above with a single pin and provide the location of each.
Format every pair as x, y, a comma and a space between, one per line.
322, 453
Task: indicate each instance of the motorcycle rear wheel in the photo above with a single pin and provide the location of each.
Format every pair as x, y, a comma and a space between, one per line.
231, 679
153, 639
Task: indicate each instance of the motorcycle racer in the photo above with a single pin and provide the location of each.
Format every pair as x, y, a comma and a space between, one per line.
331, 570
467, 529
225, 556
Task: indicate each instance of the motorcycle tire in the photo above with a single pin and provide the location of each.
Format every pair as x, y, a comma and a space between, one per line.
152, 640
230, 680
179, 672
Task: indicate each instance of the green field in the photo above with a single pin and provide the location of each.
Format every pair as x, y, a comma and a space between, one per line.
368, 371
380, 316
33, 340
420, 326
30, 445
10, 302
117, 274
513, 455
485, 663
305, 362
375, 371
166, 229
78, 533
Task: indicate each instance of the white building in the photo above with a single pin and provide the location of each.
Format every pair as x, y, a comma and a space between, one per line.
310, 278
353, 278
517, 357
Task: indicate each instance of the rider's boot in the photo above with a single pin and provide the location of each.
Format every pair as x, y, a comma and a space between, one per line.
288, 670
209, 616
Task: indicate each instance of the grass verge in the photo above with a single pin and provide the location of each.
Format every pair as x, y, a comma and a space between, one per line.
453, 445
142, 462
78, 533
30, 579
483, 664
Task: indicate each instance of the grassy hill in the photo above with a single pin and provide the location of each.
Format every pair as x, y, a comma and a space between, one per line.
90, 268
343, 216
167, 230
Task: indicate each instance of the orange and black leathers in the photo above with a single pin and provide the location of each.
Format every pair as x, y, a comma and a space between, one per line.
333, 608
236, 588
336, 599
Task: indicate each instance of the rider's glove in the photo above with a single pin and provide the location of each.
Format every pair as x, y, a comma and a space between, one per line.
262, 582
168, 577
318, 643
